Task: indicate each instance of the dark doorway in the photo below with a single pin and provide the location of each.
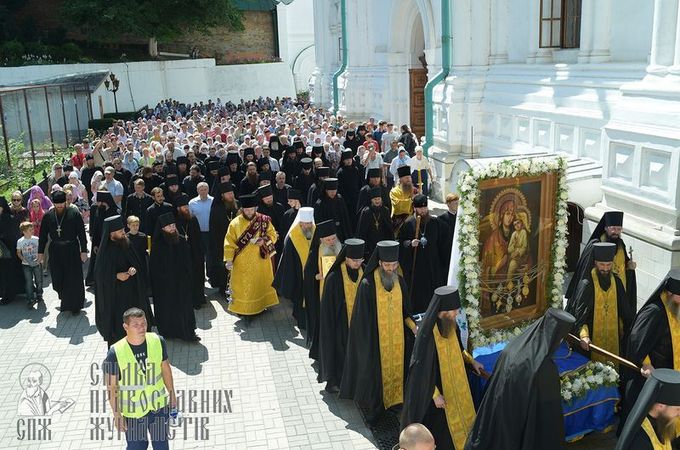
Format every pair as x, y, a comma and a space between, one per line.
417, 82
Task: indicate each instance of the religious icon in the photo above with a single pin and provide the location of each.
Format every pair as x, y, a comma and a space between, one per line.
515, 233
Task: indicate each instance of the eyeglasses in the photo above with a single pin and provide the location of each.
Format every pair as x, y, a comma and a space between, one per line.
16, 199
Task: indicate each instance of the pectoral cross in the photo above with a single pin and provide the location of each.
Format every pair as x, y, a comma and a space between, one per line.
59, 230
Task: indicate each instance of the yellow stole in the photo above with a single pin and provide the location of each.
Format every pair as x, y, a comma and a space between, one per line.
653, 439
301, 244
619, 263
674, 326
460, 410
325, 264
605, 317
391, 341
350, 288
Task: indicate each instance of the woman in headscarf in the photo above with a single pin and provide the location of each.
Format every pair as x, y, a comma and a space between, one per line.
35, 215
36, 192
95, 184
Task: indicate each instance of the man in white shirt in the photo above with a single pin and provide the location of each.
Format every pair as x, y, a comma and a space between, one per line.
401, 160
200, 208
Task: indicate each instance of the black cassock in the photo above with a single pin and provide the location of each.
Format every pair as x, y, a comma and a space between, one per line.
364, 198
430, 265
275, 212
349, 184
112, 296
334, 209
153, 212
220, 217
362, 372
522, 405
287, 222
448, 221
312, 298
303, 183
375, 225
97, 217
191, 231
11, 272
333, 324
66, 268
288, 281
170, 269
140, 244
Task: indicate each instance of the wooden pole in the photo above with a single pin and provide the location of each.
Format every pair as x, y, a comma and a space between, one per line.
607, 354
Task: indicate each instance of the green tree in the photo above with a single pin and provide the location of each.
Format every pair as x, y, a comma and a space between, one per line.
162, 20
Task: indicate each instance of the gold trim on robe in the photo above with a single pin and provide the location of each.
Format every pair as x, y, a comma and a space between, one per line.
605, 332
325, 264
653, 439
619, 263
391, 340
301, 244
460, 410
674, 326
350, 288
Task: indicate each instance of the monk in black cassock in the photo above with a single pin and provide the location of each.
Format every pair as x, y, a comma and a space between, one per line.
171, 274
291, 166
654, 340
437, 392
349, 183
365, 195
315, 190
140, 244
331, 206
448, 219
304, 180
68, 250
119, 285
603, 315
323, 251
652, 423
380, 337
11, 272
375, 223
189, 230
223, 209
522, 404
105, 208
294, 204
609, 229
426, 250
337, 304
157, 209
269, 207
288, 280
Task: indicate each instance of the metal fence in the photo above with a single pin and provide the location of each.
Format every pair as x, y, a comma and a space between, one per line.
43, 118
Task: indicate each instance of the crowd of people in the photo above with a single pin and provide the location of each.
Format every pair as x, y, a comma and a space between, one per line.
270, 200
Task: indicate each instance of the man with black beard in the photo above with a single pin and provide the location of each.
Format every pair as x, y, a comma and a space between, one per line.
291, 166
157, 209
171, 273
288, 280
106, 207
269, 207
609, 229
250, 182
331, 206
223, 176
119, 285
66, 231
381, 336
349, 183
423, 256
401, 197
304, 180
324, 248
374, 224
438, 365
600, 307
374, 181
320, 174
189, 229
222, 211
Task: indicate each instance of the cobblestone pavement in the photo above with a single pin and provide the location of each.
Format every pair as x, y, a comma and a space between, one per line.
251, 381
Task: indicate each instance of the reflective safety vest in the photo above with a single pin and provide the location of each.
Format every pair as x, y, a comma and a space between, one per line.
140, 388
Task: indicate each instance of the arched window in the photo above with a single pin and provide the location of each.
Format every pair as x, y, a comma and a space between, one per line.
560, 24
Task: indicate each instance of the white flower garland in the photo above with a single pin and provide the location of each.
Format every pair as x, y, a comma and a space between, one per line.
593, 375
470, 268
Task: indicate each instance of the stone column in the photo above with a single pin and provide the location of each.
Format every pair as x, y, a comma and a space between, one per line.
675, 69
596, 29
536, 53
663, 36
499, 52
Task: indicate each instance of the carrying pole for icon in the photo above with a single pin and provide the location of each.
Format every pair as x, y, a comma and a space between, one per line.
607, 354
415, 253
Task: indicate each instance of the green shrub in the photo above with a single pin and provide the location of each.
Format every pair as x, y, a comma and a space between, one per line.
11, 53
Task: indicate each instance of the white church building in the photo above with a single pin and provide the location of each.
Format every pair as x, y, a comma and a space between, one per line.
597, 80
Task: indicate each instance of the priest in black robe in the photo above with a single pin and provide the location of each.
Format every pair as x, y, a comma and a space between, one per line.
448, 219
189, 230
331, 206
609, 229
423, 256
599, 305
292, 167
372, 377
304, 180
294, 204
105, 208
222, 211
437, 393
140, 245
288, 280
365, 196
323, 251
349, 183
11, 272
652, 336
375, 223
68, 250
316, 189
157, 209
522, 404
119, 285
171, 274
268, 207
337, 304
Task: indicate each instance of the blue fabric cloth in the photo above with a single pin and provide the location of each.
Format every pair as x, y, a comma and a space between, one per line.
593, 412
